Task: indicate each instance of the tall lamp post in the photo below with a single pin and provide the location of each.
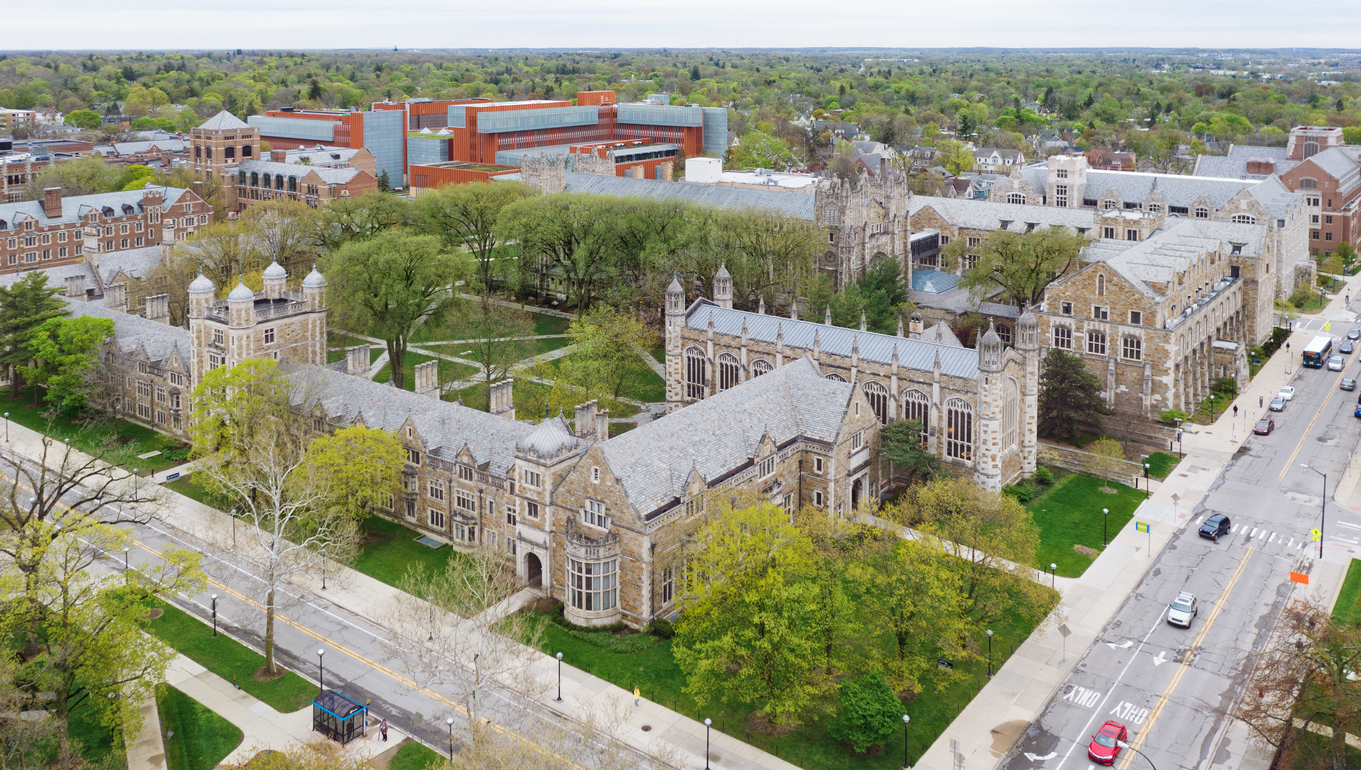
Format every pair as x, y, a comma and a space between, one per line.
6, 427
450, 723
214, 614
559, 698
708, 725
1147, 487
1323, 517
989, 653
906, 719
1179, 452
1212, 407
321, 671
1053, 575
1105, 516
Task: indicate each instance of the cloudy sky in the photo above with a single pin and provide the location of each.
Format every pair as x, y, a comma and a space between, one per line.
309, 24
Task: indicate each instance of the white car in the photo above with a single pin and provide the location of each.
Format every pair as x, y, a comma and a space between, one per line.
1287, 393
1336, 363
1183, 609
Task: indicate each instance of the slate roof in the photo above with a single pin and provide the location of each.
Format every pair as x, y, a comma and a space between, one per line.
223, 121
135, 263
73, 209
132, 332
723, 432
836, 340
1159, 258
165, 145
1340, 164
790, 204
1234, 165
327, 175
988, 215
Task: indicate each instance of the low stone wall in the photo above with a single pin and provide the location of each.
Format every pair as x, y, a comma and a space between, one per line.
1127, 472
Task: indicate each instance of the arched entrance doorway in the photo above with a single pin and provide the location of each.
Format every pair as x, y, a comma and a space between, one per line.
533, 571
857, 489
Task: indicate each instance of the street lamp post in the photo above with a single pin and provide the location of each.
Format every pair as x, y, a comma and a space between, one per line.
7, 427
989, 653
134, 482
708, 725
1323, 517
1179, 452
323, 570
906, 719
450, 723
1105, 516
1212, 407
1147, 487
233, 528
214, 614
125, 559
1053, 575
559, 698
321, 671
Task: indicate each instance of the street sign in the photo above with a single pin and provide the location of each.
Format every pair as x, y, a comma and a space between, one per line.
1299, 577
1064, 630
1140, 526
1315, 534
1327, 326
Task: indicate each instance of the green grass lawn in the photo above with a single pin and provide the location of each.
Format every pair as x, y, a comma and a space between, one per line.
448, 370
436, 327
336, 342
196, 738
530, 398
227, 657
1160, 464
186, 486
390, 549
1070, 514
646, 387
93, 437
1347, 609
659, 353
414, 756
655, 672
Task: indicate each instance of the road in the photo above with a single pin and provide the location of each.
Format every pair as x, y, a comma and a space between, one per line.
1174, 687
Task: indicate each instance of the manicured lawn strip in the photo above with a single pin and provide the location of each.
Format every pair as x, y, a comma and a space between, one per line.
1070, 514
1160, 464
414, 756
659, 353
655, 673
186, 486
391, 549
548, 324
1347, 609
436, 326
196, 738
91, 437
227, 657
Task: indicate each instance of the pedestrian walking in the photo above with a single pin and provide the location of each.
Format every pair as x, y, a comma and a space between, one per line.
383, 730
637, 696
1235, 410
1259, 402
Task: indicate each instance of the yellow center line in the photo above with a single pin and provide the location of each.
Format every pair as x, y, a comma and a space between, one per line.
1310, 429
1186, 662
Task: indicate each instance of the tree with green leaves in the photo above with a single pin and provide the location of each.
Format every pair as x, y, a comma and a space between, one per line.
868, 714
24, 306
363, 464
1019, 266
496, 336
901, 442
387, 285
465, 215
63, 352
1070, 396
758, 149
86, 119
80, 176
384, 181
566, 233
608, 355
357, 219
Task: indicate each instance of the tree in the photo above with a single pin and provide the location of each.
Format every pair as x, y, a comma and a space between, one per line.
314, 90
384, 182
251, 446
869, 713
901, 442
1107, 457
81, 176
64, 351
86, 119
954, 156
567, 232
1019, 266
608, 356
357, 219
364, 466
759, 149
24, 306
749, 620
1070, 396
387, 285
495, 335
465, 215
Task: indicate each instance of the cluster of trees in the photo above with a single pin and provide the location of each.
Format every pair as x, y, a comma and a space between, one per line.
784, 608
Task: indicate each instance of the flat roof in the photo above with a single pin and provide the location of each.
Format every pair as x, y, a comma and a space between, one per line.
769, 178
463, 164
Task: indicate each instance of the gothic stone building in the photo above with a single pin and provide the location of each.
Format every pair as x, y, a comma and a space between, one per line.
978, 407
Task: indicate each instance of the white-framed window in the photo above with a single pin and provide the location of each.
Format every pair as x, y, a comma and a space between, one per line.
269, 336
1066, 308
1202, 212
594, 514
959, 429
818, 499
877, 395
217, 337
465, 473
511, 518
1063, 337
531, 509
857, 440
761, 366
1136, 317
1016, 198
818, 464
1096, 342
1061, 173
1101, 312
1244, 219
436, 490
668, 584
917, 406
1132, 348
1101, 284
595, 474
465, 500
834, 377
592, 585
1011, 414
413, 457
765, 467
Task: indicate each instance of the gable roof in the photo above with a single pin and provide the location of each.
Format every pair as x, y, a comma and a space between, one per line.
73, 209
720, 434
784, 203
1169, 252
989, 215
131, 332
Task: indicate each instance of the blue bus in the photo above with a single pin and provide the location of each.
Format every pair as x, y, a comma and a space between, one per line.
1318, 351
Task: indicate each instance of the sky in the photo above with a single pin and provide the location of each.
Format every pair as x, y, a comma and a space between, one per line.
428, 24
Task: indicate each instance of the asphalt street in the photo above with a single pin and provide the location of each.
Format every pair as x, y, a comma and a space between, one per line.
1172, 687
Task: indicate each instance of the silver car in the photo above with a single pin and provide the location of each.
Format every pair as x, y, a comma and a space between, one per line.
1183, 608
1335, 364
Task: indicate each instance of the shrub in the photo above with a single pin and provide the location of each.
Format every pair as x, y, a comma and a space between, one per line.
176, 455
1021, 493
661, 628
1172, 415
1225, 387
1044, 475
869, 713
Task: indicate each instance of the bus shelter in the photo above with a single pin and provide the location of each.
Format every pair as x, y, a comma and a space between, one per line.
339, 717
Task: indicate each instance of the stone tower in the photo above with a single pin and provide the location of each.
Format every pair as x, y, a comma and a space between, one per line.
1028, 344
546, 173
723, 287
1066, 185
865, 219
218, 145
675, 322
274, 323
987, 451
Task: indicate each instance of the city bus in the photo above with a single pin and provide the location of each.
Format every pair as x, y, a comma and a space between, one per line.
1318, 351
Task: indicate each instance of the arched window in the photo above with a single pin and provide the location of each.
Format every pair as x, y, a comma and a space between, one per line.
198, 151
1004, 333
1011, 414
1063, 337
278, 181
1244, 219
917, 406
1202, 212
834, 377
1308, 183
265, 180
696, 373
1016, 198
878, 398
1310, 148
728, 370
245, 150
254, 179
1100, 285
1096, 342
1132, 348
229, 152
292, 184
959, 429
208, 153
761, 366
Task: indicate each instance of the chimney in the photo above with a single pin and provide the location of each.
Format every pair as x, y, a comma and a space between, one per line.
585, 422
427, 379
357, 359
502, 397
116, 297
158, 308
278, 156
915, 326
197, 187
52, 202
602, 425
75, 287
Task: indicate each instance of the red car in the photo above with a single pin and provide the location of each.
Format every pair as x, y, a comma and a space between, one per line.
1105, 745
1264, 426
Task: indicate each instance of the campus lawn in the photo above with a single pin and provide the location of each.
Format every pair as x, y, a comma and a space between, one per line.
1069, 514
530, 398
390, 549
1347, 609
659, 353
187, 486
414, 756
646, 387
336, 342
436, 327
655, 672
196, 738
227, 657
1161, 464
448, 370
93, 437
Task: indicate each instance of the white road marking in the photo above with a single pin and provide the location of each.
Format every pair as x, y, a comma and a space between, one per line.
1273, 538
1254, 533
1348, 524
1161, 659
1038, 758
1124, 646
1233, 529
1263, 535
1347, 540
1290, 544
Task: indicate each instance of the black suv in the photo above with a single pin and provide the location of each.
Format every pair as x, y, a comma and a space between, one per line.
1215, 526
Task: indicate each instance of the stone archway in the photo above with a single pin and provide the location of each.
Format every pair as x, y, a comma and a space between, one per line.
857, 491
533, 570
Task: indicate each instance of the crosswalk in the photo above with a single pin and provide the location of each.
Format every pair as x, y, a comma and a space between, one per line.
1271, 539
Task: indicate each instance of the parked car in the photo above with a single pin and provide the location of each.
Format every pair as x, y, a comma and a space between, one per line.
1105, 745
1183, 608
1346, 347
1358, 410
1278, 404
1348, 384
1264, 426
1215, 526
1354, 334
1335, 364
1287, 393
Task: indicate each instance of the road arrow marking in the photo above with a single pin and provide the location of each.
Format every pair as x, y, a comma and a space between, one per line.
1124, 646
1038, 758
1161, 659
